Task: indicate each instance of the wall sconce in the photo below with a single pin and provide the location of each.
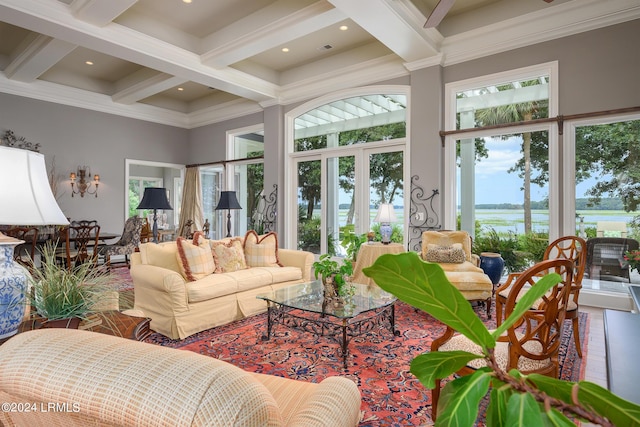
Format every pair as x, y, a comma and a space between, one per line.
83, 185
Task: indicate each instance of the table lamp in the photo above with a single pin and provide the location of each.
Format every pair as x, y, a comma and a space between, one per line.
155, 198
26, 199
228, 201
385, 216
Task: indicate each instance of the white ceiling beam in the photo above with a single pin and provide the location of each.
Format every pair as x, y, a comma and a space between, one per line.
265, 29
34, 56
53, 18
144, 84
99, 12
381, 20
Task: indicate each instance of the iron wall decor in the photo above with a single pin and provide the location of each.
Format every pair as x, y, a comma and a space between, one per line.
263, 219
422, 215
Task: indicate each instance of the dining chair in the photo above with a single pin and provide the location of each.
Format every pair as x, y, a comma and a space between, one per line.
24, 253
78, 222
128, 243
146, 235
573, 248
85, 238
532, 344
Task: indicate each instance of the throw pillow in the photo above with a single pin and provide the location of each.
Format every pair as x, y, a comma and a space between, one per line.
453, 254
261, 251
160, 255
229, 256
195, 258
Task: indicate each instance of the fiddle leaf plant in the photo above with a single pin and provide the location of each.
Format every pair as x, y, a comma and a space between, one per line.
515, 399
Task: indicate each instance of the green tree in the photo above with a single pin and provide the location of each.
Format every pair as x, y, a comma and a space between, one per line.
517, 112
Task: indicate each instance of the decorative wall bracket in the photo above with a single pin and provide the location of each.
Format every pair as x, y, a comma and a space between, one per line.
422, 215
264, 216
11, 140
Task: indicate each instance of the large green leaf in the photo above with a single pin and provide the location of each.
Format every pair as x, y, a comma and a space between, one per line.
556, 418
425, 286
460, 399
553, 387
531, 296
523, 410
428, 367
497, 410
619, 411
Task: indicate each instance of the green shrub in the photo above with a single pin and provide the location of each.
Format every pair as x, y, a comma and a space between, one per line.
507, 246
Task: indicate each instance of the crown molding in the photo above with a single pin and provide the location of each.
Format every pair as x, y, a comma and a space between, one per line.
548, 24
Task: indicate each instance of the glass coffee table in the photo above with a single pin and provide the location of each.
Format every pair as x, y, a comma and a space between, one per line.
304, 307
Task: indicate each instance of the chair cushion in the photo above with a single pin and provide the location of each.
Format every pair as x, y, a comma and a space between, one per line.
228, 255
195, 258
447, 238
460, 342
445, 254
261, 251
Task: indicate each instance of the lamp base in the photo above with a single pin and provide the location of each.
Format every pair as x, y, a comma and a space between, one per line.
13, 290
385, 232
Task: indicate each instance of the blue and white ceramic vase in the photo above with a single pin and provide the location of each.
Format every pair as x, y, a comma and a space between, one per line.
493, 266
13, 290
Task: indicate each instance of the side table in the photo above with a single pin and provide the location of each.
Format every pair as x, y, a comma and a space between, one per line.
113, 323
368, 254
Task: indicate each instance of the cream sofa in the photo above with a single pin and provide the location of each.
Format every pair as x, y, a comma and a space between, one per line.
179, 308
465, 274
63, 377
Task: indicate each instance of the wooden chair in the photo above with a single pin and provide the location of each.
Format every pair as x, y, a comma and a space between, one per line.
25, 252
568, 247
145, 234
85, 238
531, 345
89, 222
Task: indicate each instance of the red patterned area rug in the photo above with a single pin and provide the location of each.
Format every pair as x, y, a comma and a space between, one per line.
121, 278
378, 362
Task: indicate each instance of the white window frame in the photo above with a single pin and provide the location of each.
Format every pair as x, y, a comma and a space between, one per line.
450, 180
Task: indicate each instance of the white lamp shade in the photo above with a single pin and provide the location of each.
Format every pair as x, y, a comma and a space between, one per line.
25, 194
385, 214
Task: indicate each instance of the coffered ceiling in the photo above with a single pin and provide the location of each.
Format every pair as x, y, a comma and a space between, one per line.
191, 64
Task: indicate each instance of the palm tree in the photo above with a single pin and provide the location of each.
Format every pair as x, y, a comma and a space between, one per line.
508, 114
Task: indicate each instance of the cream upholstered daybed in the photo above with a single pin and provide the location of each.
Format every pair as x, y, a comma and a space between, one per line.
187, 286
67, 378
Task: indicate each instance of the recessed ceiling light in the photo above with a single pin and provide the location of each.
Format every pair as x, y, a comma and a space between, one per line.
88, 62
180, 89
344, 28
285, 49
186, 1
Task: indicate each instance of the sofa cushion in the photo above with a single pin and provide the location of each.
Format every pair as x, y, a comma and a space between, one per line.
160, 255
194, 258
281, 274
228, 256
212, 286
261, 251
447, 238
453, 254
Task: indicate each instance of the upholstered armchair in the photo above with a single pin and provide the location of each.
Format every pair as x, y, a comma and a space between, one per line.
452, 251
128, 242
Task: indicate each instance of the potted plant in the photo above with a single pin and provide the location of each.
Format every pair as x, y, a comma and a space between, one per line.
335, 276
515, 399
65, 297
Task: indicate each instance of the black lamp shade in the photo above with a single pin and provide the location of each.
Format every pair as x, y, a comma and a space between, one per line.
154, 198
228, 200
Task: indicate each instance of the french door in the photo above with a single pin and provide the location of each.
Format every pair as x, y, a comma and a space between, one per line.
339, 190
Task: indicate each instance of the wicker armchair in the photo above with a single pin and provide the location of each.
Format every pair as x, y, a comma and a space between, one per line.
605, 256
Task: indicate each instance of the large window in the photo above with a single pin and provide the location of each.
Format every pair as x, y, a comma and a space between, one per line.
347, 156
500, 177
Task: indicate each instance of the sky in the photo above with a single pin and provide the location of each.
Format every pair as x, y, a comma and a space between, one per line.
495, 185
